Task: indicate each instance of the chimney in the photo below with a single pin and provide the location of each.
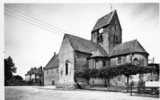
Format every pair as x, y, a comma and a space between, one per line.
54, 54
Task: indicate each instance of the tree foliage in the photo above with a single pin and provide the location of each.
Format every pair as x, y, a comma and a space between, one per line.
9, 68
82, 74
110, 72
17, 78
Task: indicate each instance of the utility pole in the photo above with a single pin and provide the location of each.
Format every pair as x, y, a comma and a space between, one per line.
153, 60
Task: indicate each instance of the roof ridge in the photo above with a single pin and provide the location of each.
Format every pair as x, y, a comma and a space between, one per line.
54, 57
131, 40
71, 35
140, 45
128, 47
82, 44
83, 39
126, 42
111, 12
105, 20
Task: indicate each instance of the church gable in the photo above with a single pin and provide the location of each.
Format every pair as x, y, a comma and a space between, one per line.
66, 62
128, 47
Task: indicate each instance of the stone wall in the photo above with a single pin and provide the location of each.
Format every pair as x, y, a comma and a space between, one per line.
124, 59
66, 55
81, 61
121, 80
98, 63
51, 76
97, 82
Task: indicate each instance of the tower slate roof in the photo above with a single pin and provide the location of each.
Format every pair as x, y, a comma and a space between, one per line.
53, 63
104, 21
83, 45
128, 47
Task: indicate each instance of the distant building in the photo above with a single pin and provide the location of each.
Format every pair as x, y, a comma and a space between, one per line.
35, 75
154, 76
51, 75
105, 49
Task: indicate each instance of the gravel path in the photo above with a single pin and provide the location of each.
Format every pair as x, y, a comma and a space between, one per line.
50, 93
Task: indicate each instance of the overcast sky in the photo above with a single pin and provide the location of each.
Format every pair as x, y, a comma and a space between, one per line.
32, 43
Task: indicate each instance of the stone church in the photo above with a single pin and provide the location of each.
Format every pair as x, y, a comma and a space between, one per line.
105, 49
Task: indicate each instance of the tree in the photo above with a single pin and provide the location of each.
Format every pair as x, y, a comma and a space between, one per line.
9, 68
17, 78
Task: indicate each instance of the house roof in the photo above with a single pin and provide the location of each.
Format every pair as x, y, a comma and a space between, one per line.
83, 45
53, 63
128, 47
34, 71
104, 21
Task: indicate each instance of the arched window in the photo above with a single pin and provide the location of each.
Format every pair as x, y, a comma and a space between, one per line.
119, 60
66, 66
101, 30
135, 61
104, 63
100, 37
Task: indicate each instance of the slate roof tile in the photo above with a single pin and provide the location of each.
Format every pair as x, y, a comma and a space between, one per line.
53, 63
104, 21
128, 47
83, 45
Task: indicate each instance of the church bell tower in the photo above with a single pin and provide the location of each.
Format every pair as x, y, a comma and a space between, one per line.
107, 31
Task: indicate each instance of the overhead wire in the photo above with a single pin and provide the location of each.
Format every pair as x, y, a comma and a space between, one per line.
34, 21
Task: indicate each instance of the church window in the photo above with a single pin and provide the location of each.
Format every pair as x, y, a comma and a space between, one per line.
116, 27
101, 30
100, 37
124, 59
95, 61
135, 61
119, 60
104, 63
66, 65
53, 82
115, 39
61, 72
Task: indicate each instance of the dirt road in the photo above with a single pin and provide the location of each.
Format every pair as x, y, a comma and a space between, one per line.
43, 93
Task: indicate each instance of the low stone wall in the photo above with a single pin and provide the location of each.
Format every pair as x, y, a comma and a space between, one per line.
119, 81
97, 82
66, 86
